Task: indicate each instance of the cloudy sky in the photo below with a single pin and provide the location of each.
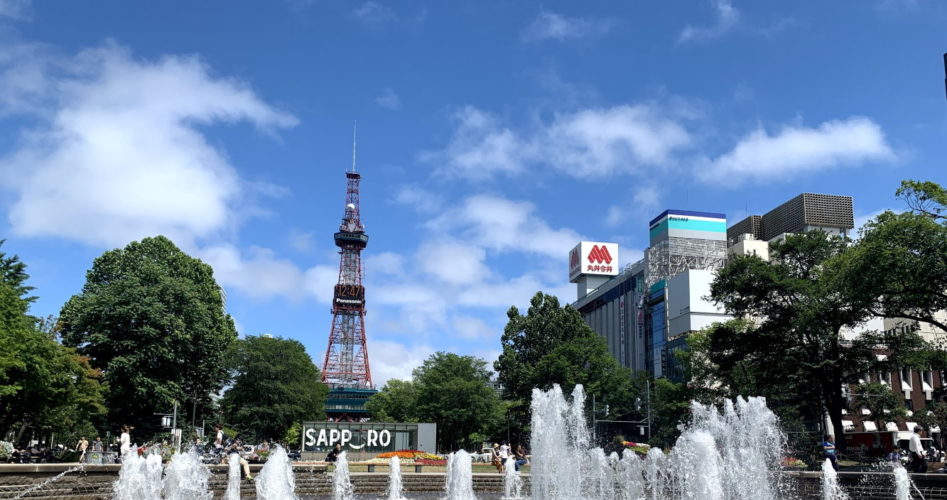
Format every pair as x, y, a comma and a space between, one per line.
492, 136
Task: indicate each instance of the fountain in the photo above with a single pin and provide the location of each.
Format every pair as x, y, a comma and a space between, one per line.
831, 489
459, 483
276, 480
512, 482
902, 484
559, 440
139, 477
730, 454
233, 477
186, 478
341, 483
394, 479
630, 472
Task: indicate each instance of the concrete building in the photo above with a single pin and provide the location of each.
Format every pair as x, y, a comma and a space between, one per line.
646, 310
831, 213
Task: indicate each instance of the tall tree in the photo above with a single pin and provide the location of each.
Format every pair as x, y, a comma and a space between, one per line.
898, 267
396, 402
553, 345
275, 385
453, 391
794, 351
152, 318
43, 385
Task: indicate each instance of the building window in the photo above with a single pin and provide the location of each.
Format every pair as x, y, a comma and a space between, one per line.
909, 404
905, 379
885, 378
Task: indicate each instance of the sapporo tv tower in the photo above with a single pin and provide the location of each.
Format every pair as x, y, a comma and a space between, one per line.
346, 370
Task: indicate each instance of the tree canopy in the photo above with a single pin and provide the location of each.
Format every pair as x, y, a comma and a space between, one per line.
450, 390
553, 345
792, 350
152, 318
275, 385
43, 385
395, 402
898, 267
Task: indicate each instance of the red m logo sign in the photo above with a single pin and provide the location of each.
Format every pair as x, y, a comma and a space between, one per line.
599, 254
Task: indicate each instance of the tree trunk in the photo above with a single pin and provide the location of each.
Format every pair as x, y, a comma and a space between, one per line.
834, 404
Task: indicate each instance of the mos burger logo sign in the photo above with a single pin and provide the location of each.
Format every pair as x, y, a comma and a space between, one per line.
593, 257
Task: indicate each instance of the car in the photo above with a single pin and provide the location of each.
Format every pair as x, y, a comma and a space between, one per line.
485, 455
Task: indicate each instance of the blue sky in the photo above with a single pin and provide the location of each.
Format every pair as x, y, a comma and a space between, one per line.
492, 137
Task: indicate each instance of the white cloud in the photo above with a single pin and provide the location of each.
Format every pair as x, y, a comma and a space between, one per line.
395, 360
388, 100
506, 225
16, 9
796, 150
374, 14
418, 198
388, 263
552, 26
301, 241
452, 262
587, 143
645, 198
727, 17
262, 275
118, 155
473, 328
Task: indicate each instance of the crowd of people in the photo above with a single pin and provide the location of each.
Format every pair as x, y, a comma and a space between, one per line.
501, 452
916, 458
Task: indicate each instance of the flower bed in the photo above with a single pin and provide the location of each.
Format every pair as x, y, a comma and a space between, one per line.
409, 455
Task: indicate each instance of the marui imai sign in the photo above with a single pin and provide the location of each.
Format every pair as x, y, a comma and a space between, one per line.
593, 257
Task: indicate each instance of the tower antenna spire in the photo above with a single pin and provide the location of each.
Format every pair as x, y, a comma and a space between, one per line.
354, 135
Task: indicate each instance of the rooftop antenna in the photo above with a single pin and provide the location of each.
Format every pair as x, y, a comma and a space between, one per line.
354, 131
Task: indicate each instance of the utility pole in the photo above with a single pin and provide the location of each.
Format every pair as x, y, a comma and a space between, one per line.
174, 429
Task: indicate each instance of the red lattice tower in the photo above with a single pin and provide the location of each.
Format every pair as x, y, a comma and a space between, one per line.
346, 364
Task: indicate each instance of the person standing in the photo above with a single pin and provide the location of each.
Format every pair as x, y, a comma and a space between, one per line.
219, 440
97, 445
125, 440
918, 463
81, 447
828, 449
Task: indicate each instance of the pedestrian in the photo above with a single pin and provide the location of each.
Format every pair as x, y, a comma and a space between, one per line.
97, 445
918, 463
334, 454
125, 440
81, 447
496, 460
828, 449
219, 440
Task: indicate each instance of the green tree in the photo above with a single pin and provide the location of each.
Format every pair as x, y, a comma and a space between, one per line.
43, 386
453, 391
553, 345
880, 400
934, 415
275, 384
794, 352
898, 267
396, 402
670, 407
152, 318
